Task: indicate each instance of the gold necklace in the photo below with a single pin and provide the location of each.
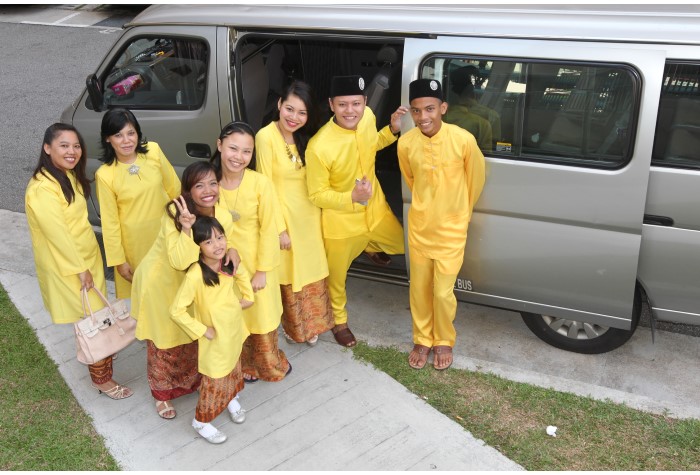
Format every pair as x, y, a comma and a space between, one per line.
292, 158
235, 215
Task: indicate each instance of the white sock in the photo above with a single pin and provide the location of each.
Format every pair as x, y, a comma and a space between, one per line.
234, 406
204, 429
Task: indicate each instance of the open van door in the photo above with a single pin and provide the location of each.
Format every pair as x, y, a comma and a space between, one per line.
556, 233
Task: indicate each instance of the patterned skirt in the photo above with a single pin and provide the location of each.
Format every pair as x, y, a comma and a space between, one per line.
216, 393
262, 358
101, 371
172, 372
306, 313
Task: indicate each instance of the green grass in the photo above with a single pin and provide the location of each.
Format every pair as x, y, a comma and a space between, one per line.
512, 417
42, 426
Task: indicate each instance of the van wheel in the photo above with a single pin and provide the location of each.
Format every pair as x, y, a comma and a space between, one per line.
581, 337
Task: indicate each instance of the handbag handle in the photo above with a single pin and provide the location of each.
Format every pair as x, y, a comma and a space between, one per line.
86, 300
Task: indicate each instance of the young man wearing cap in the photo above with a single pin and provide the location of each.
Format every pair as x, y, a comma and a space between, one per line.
445, 171
341, 181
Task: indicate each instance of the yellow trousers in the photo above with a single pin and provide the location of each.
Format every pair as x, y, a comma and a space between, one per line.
433, 301
386, 237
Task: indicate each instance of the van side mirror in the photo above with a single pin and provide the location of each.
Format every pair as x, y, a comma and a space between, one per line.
94, 89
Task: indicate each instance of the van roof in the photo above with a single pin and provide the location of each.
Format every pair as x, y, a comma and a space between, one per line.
673, 24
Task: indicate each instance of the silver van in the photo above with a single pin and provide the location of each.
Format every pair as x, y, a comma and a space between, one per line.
593, 158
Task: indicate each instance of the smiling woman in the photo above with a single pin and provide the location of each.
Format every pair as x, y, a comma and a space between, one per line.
133, 185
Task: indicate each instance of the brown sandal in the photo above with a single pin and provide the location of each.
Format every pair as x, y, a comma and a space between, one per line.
343, 336
423, 352
442, 350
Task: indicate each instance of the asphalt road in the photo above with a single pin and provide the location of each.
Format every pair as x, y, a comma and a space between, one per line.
43, 69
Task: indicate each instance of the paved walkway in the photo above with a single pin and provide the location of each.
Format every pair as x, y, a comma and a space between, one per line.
331, 413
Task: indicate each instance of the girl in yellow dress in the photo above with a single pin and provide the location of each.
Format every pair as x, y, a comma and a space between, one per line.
171, 359
66, 253
133, 186
251, 200
279, 154
218, 325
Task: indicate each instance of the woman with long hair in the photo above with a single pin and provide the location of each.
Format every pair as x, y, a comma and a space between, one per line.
250, 199
66, 254
171, 360
280, 155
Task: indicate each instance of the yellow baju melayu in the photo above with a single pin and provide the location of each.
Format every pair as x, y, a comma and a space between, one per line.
257, 241
64, 246
131, 206
159, 276
335, 158
214, 306
446, 175
306, 261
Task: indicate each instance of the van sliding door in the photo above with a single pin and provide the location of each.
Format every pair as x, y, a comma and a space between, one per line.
557, 229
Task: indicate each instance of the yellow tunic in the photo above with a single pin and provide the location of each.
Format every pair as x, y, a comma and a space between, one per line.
335, 158
256, 239
158, 278
305, 262
64, 245
131, 207
214, 306
445, 174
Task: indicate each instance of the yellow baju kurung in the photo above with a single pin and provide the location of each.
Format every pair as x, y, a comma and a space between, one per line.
306, 261
216, 306
131, 206
158, 278
446, 175
64, 246
257, 241
335, 158
306, 309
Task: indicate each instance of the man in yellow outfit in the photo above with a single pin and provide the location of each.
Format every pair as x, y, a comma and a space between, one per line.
341, 181
445, 171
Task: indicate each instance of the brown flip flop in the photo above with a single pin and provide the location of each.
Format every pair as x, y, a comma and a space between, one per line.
440, 350
344, 337
423, 351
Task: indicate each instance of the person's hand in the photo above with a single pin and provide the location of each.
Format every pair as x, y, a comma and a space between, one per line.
396, 119
125, 271
362, 191
233, 257
210, 333
86, 282
285, 242
246, 304
259, 280
185, 218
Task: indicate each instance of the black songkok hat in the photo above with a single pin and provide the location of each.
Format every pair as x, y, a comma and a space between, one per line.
424, 88
347, 86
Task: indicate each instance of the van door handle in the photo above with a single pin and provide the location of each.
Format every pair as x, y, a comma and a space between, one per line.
198, 150
658, 220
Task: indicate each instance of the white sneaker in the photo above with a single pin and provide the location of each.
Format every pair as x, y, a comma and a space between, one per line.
236, 411
209, 432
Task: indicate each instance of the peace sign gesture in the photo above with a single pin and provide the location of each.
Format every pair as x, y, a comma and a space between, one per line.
185, 218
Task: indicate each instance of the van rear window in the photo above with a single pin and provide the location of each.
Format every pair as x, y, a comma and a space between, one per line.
677, 138
571, 113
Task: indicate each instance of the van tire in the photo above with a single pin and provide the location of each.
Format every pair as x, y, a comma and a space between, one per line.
608, 339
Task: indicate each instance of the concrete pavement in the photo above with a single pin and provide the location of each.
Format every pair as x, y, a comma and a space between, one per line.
331, 413
336, 413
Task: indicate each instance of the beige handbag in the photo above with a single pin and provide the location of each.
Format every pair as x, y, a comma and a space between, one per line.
105, 332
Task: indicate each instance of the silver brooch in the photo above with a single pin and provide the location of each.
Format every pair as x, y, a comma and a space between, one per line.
134, 169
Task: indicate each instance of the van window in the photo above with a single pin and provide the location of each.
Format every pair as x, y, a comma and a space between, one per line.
569, 113
677, 137
158, 73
